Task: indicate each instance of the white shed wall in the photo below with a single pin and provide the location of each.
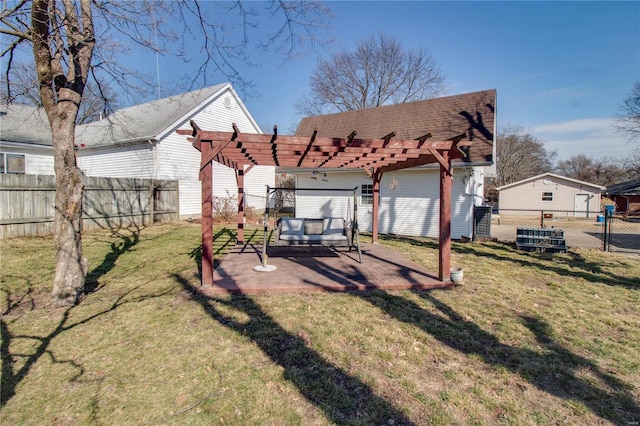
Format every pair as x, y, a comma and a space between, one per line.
528, 196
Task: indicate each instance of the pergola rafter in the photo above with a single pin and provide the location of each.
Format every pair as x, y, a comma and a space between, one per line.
242, 151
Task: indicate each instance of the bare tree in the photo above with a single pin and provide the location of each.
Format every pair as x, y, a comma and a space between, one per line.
25, 90
628, 120
632, 164
605, 171
73, 41
519, 155
380, 71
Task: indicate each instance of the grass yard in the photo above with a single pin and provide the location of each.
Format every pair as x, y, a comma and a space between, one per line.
527, 339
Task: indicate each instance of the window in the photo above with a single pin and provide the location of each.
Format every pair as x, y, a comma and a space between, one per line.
547, 196
366, 193
12, 163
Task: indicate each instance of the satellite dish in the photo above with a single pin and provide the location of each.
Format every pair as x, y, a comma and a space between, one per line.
227, 102
547, 182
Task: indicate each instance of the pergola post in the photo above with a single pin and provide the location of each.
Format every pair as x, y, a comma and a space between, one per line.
377, 177
206, 177
240, 182
444, 249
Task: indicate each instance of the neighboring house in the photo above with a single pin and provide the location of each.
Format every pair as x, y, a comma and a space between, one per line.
409, 199
559, 195
141, 142
626, 195
25, 141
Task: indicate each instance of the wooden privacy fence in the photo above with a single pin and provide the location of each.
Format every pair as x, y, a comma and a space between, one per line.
27, 203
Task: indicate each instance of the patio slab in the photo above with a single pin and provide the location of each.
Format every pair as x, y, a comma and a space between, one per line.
306, 269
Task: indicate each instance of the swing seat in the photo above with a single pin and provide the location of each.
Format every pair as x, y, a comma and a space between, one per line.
328, 231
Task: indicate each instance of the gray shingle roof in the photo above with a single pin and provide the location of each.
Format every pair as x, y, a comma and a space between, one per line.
27, 124
24, 124
144, 121
444, 118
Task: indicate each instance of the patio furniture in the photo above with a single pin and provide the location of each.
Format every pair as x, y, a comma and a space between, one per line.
328, 231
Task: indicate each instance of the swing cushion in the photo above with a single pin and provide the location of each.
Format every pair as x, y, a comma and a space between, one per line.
292, 226
329, 230
333, 226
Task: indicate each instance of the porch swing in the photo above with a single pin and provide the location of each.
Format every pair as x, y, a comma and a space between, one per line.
326, 230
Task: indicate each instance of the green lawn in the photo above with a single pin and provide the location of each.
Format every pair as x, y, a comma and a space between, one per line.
527, 339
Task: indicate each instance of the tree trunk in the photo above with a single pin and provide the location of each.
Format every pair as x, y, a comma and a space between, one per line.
71, 265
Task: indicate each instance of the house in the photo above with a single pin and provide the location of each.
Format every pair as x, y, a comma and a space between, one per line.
626, 196
558, 195
409, 199
25, 141
141, 142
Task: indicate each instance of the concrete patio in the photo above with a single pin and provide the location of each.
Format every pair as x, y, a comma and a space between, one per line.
306, 269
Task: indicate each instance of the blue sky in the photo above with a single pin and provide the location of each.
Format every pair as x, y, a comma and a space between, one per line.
560, 68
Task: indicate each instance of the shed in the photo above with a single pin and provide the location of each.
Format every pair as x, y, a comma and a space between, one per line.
550, 192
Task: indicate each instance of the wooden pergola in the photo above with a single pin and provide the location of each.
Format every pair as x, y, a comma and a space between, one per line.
243, 151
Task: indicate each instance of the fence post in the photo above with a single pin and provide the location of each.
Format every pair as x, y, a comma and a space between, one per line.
152, 202
541, 218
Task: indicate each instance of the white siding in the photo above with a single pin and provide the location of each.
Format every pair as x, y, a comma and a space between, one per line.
39, 164
190, 198
129, 162
255, 183
412, 209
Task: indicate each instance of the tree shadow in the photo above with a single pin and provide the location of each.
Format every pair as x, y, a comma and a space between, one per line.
555, 370
118, 248
564, 266
11, 378
344, 399
220, 249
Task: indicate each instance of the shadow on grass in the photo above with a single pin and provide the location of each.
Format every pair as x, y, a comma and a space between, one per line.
574, 266
118, 248
11, 377
553, 370
222, 241
344, 399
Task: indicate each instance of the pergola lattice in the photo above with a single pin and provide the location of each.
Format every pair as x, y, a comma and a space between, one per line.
243, 151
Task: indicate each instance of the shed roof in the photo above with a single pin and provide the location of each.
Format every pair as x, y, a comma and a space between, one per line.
551, 175
470, 113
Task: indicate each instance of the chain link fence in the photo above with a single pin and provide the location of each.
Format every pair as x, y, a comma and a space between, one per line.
579, 228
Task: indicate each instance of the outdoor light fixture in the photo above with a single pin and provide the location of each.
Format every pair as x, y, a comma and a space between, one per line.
325, 178
314, 175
